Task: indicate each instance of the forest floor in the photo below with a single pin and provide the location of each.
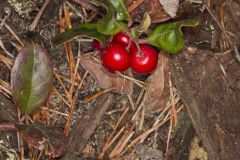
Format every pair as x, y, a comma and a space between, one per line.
96, 114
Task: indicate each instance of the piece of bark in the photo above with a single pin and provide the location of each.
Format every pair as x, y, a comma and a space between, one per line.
211, 98
86, 125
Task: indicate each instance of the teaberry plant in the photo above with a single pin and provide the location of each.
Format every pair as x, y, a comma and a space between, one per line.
125, 49
31, 81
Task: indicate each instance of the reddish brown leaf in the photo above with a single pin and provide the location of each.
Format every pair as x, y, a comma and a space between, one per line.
37, 135
153, 7
158, 85
105, 79
31, 78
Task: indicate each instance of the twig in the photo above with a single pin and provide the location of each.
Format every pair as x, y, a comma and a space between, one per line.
75, 10
131, 102
12, 32
149, 131
140, 105
56, 74
169, 134
232, 44
110, 141
96, 95
67, 125
173, 109
5, 18
60, 96
112, 138
5, 50
134, 5
7, 61
36, 19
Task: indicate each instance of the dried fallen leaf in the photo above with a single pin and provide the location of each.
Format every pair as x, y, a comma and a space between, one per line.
104, 79
158, 85
153, 7
40, 135
170, 6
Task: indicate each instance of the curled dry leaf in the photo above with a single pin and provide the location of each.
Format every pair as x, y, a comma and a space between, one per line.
158, 85
104, 79
40, 136
153, 7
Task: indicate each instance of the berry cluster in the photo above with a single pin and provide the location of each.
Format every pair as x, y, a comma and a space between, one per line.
122, 53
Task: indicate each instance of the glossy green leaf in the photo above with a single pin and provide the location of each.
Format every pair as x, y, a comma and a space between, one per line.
169, 37
109, 25
31, 78
86, 29
121, 10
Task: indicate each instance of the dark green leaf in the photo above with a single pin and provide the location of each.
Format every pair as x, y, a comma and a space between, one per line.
120, 8
169, 37
86, 29
109, 25
31, 78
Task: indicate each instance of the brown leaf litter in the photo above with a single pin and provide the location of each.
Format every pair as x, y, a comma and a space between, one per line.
104, 79
158, 85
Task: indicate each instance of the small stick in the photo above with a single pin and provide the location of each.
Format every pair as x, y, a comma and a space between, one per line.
12, 32
232, 44
60, 96
134, 5
5, 18
56, 74
5, 50
57, 112
7, 61
169, 134
150, 130
130, 78
36, 19
111, 138
75, 73
173, 109
131, 102
98, 94
17, 46
140, 105
75, 10
67, 125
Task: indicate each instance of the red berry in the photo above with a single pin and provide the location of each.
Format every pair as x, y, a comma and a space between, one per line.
122, 38
116, 58
97, 45
144, 60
